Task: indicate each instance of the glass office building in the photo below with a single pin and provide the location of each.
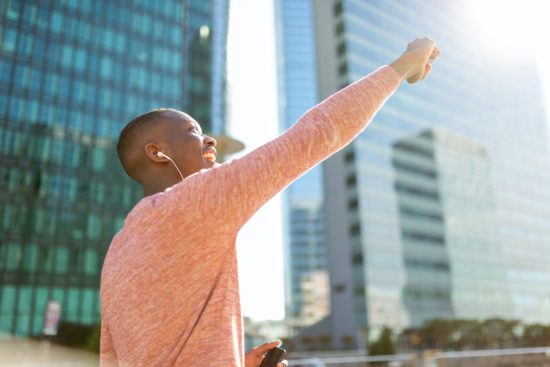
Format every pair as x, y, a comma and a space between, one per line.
303, 200
448, 228
441, 208
73, 73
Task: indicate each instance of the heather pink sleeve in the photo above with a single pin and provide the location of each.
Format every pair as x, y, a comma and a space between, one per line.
231, 193
107, 355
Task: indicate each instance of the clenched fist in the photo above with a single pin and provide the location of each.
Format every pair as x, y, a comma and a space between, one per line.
416, 62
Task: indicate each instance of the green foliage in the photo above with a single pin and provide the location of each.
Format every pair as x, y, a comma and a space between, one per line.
92, 344
75, 335
499, 333
536, 335
72, 334
384, 345
493, 333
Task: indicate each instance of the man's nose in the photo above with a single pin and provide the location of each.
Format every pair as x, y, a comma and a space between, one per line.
210, 140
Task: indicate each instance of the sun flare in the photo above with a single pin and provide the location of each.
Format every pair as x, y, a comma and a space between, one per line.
508, 28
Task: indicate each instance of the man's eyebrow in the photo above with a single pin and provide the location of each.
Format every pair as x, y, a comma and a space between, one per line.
196, 125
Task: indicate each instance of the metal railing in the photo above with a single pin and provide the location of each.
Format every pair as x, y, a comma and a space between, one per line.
519, 357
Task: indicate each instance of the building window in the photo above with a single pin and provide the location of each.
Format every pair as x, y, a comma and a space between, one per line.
415, 149
340, 28
355, 229
351, 181
343, 69
342, 48
414, 169
353, 204
357, 259
90, 262
56, 22
401, 187
31, 256
427, 265
62, 260
94, 227
416, 213
338, 8
10, 37
67, 56
434, 239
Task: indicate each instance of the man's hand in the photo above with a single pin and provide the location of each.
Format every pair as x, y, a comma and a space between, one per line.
255, 356
416, 62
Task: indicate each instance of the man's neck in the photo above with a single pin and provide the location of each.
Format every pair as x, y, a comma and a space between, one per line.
156, 187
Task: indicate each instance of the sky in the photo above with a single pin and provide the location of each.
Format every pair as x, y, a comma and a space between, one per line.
507, 27
253, 117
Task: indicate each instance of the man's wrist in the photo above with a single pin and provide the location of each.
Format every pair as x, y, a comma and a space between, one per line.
403, 66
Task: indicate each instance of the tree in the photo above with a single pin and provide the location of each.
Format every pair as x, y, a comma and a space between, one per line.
499, 333
384, 345
437, 333
536, 335
93, 341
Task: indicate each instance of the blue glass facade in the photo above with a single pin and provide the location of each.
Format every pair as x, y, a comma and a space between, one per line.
445, 197
445, 237
453, 256
303, 208
72, 74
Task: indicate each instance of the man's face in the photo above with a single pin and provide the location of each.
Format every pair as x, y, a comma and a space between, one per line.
191, 149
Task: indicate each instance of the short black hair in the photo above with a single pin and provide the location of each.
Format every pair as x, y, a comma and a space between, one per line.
133, 130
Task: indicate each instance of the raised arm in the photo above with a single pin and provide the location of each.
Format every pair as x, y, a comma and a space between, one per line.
232, 192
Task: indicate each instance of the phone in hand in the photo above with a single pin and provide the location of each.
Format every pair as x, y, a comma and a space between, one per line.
273, 356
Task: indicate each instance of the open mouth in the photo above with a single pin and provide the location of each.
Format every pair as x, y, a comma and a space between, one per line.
210, 156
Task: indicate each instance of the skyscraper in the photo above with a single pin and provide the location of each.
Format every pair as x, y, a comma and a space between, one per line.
499, 233
303, 200
449, 230
72, 74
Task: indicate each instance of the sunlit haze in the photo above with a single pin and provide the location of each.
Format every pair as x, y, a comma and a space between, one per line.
503, 31
509, 30
253, 119
509, 25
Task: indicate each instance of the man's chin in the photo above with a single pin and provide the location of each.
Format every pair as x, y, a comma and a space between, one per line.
211, 164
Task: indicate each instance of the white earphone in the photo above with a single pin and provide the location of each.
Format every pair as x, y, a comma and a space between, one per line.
161, 154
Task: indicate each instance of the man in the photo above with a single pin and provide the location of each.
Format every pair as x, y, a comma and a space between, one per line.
169, 285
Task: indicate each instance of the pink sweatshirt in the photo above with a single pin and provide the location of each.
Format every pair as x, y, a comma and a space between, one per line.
169, 284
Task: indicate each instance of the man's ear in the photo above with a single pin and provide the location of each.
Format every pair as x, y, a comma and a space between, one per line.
151, 151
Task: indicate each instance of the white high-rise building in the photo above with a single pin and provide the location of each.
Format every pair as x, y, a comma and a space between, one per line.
486, 209
495, 193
